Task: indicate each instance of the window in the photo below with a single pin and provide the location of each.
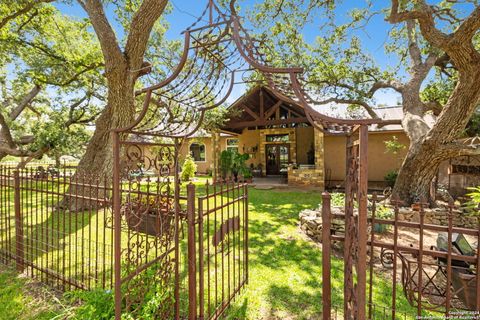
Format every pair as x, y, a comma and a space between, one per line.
232, 144
464, 169
197, 151
277, 138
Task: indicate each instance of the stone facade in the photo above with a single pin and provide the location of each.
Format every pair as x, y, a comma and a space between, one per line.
311, 176
306, 177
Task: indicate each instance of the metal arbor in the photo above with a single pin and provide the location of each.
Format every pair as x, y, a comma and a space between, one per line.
218, 54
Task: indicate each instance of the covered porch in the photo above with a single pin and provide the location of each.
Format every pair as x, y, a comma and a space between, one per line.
277, 136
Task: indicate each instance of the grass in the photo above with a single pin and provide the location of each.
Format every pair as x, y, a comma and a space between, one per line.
285, 266
22, 299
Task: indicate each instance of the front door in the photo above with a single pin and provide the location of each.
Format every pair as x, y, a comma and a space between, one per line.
278, 156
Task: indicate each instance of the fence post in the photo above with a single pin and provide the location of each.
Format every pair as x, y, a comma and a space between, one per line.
19, 253
117, 229
326, 284
192, 281
201, 274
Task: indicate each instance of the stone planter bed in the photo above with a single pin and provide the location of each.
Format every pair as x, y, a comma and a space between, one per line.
311, 224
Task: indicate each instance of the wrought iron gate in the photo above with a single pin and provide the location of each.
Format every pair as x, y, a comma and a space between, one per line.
188, 249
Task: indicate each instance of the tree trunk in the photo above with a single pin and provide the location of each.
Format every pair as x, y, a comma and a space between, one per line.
417, 172
97, 163
427, 146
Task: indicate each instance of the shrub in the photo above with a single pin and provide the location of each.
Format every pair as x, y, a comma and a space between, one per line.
338, 199
474, 204
383, 212
188, 169
391, 177
151, 296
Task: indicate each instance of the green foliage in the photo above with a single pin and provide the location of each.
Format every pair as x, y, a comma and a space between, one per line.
217, 117
474, 204
99, 303
391, 178
473, 127
94, 304
58, 54
248, 174
384, 212
232, 162
338, 199
226, 162
239, 165
438, 89
394, 146
188, 169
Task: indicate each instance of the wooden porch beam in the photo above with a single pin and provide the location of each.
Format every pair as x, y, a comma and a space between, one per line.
273, 109
250, 112
259, 123
262, 105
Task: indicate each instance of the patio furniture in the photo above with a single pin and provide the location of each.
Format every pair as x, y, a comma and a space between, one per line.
464, 281
256, 171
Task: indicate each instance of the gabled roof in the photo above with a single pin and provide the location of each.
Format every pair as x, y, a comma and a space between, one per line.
260, 107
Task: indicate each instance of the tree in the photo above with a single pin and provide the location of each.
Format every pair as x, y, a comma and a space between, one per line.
123, 67
50, 88
432, 145
427, 38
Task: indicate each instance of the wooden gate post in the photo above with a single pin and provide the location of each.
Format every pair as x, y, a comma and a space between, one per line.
326, 264
19, 252
192, 277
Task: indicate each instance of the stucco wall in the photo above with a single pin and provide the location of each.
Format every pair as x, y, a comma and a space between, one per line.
202, 166
248, 141
379, 161
304, 143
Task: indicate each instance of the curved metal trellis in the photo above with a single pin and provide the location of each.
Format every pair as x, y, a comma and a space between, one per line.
217, 56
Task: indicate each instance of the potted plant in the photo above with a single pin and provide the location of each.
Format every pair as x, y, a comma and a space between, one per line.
383, 213
150, 215
239, 165
248, 176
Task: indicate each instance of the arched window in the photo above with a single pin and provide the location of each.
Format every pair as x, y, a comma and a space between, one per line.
197, 151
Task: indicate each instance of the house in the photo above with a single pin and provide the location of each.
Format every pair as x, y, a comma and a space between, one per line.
282, 142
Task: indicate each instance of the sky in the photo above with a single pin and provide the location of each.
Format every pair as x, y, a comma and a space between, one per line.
185, 12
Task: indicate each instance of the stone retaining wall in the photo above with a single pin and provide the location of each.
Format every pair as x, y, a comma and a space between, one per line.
311, 220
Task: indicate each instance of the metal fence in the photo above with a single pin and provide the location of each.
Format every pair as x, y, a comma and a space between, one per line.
42, 231
60, 229
432, 268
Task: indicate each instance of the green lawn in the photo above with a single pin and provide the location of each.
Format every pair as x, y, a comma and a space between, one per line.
22, 299
285, 266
